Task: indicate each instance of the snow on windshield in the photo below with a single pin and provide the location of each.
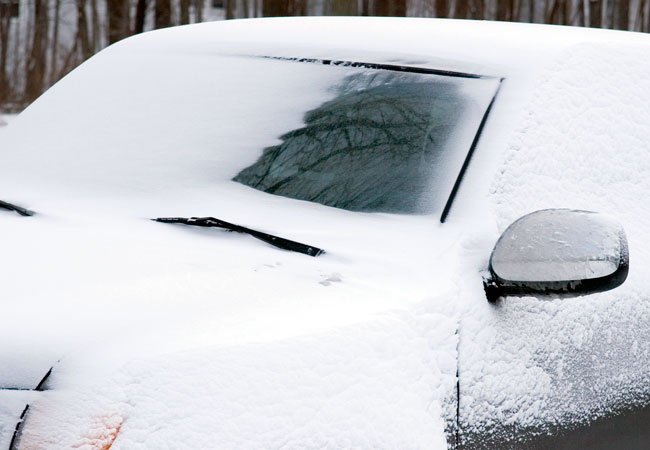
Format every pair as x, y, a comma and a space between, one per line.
190, 123
390, 141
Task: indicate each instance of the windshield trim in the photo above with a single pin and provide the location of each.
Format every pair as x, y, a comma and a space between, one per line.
470, 152
379, 66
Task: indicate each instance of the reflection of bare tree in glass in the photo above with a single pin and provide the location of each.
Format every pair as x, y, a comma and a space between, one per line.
370, 149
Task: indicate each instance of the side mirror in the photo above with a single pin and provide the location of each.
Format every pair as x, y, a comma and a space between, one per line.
558, 251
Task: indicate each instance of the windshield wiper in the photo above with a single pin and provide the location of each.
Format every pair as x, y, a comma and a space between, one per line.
19, 209
284, 244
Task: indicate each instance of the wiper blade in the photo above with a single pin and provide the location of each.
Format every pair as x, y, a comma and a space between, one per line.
276, 241
19, 209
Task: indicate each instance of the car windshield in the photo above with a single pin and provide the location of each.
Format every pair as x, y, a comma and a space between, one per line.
205, 129
389, 141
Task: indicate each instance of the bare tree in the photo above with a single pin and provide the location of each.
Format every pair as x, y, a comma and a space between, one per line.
395, 8
505, 9
35, 76
461, 9
557, 12
5, 21
340, 8
118, 20
162, 14
621, 14
140, 15
184, 9
531, 10
96, 30
55, 43
198, 10
365, 7
595, 13
441, 8
230, 6
275, 8
477, 9
640, 21
83, 38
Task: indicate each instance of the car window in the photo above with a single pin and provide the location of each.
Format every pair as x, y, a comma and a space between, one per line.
389, 141
350, 135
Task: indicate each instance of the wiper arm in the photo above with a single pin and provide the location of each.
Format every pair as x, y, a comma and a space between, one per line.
19, 209
284, 244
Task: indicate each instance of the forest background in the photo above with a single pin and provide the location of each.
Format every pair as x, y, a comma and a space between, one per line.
42, 40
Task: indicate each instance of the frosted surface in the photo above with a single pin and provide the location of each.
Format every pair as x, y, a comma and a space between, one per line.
388, 141
557, 245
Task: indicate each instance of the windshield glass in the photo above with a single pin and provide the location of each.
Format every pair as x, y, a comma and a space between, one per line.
388, 141
210, 130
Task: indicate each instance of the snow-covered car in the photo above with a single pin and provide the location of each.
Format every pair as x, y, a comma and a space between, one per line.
364, 299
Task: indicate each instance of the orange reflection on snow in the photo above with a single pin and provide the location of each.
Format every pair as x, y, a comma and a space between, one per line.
102, 433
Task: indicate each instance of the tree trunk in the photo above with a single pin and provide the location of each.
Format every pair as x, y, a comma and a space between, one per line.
118, 19
162, 14
36, 60
621, 14
230, 13
565, 12
607, 14
553, 13
273, 8
441, 8
55, 44
516, 10
5, 90
97, 32
477, 11
504, 10
393, 8
184, 8
140, 16
365, 7
278, 8
82, 31
641, 16
531, 10
462, 7
580, 13
340, 8
595, 13
198, 10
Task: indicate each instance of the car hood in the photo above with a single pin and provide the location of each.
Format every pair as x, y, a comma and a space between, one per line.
134, 309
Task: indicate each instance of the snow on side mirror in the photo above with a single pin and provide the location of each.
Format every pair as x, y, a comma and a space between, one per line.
558, 251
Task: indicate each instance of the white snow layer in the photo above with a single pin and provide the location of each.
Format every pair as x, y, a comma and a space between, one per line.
583, 144
373, 385
355, 349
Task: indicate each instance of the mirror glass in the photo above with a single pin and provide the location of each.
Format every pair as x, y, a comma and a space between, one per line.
559, 245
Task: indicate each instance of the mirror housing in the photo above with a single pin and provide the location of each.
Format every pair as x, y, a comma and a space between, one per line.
559, 251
